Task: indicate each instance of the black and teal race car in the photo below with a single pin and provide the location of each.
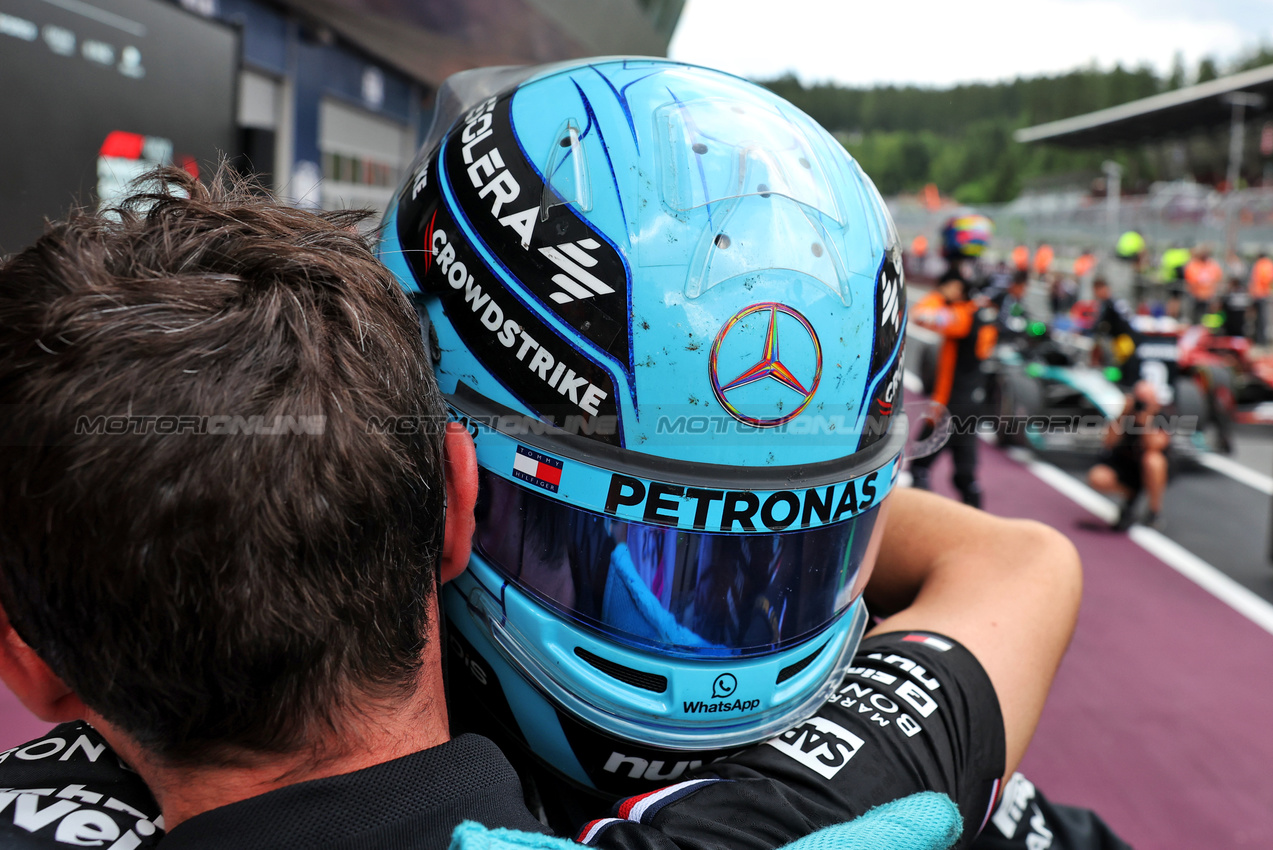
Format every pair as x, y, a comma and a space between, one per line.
1042, 394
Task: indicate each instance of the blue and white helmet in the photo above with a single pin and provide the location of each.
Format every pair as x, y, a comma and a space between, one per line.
669, 307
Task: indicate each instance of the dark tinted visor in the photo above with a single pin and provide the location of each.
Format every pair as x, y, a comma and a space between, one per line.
679, 592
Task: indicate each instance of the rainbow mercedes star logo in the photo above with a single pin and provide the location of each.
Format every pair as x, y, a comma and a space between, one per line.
768, 368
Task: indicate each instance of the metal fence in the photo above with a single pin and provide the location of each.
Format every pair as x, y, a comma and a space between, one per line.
1183, 214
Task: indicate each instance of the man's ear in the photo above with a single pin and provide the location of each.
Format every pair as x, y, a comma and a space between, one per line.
460, 466
32, 682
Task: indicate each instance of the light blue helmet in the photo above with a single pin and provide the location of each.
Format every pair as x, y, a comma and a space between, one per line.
669, 307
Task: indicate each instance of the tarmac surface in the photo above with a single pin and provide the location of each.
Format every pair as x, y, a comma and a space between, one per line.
1223, 520
1158, 718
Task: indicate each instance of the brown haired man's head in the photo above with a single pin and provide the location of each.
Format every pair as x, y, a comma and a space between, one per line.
216, 533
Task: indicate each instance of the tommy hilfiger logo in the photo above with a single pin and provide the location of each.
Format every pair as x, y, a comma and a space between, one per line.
577, 283
538, 469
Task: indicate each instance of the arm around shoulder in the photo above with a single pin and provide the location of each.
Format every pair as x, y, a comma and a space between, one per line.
1008, 590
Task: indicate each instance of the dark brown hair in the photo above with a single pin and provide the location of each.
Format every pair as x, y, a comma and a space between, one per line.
249, 554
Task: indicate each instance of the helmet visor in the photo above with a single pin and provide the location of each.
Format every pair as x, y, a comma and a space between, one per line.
692, 594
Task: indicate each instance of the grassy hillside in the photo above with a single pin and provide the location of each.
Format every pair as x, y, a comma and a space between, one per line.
960, 138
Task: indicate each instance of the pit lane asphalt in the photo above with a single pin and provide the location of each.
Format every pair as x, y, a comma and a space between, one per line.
1224, 521
1157, 718
1254, 447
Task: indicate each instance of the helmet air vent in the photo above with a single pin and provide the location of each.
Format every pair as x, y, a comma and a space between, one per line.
566, 179
792, 669
636, 678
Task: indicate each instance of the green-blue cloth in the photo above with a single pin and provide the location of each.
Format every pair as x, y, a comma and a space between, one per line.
925, 821
470, 835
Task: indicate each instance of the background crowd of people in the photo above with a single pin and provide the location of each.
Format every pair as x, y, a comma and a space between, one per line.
1188, 284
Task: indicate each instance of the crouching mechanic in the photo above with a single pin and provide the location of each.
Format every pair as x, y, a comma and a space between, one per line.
246, 613
1134, 458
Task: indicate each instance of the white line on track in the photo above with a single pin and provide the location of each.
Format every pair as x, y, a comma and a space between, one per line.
1238, 472
1219, 585
1171, 553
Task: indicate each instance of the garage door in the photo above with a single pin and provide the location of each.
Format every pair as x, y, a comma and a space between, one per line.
364, 156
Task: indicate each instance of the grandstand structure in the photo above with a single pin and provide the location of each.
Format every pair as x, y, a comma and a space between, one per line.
1164, 116
1176, 213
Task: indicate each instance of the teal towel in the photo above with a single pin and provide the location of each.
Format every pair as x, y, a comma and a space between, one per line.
925, 821
473, 836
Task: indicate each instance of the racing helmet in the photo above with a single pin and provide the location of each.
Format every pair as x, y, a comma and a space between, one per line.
965, 236
668, 307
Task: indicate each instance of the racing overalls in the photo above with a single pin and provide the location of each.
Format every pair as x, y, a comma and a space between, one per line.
967, 339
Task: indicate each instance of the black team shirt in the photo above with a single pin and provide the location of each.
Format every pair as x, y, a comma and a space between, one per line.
915, 713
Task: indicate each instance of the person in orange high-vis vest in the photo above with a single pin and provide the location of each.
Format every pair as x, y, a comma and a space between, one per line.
966, 340
1084, 264
1259, 288
1043, 260
1203, 276
1021, 258
914, 259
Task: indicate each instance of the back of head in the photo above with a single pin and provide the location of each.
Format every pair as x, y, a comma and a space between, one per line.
671, 309
205, 534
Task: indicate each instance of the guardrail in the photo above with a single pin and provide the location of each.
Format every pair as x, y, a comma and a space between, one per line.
1175, 214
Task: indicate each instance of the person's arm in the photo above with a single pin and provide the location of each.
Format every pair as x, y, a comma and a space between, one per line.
943, 695
1112, 430
1156, 439
953, 321
1008, 590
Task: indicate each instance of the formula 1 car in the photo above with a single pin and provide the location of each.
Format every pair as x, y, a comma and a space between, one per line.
1044, 395
1250, 385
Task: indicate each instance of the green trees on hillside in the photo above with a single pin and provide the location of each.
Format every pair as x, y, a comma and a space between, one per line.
961, 138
